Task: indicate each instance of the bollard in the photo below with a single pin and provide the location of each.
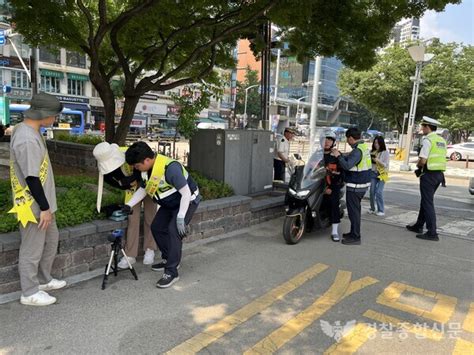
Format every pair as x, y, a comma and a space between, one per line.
467, 162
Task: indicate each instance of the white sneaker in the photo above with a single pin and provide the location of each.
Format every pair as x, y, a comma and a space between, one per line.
149, 257
380, 214
52, 285
371, 211
40, 298
123, 262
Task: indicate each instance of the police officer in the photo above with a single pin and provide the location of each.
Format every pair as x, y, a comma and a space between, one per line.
357, 166
177, 194
431, 166
282, 153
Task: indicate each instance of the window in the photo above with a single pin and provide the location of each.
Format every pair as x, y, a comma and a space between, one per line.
75, 87
49, 56
20, 80
95, 93
50, 84
76, 59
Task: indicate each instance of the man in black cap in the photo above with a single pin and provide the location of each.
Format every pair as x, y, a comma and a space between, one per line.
34, 197
431, 166
282, 153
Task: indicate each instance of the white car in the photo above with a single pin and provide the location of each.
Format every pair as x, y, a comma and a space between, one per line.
461, 151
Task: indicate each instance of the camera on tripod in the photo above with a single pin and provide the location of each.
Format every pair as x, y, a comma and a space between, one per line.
116, 239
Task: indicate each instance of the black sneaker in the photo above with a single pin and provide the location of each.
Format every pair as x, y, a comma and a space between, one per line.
351, 241
345, 235
166, 281
426, 236
161, 266
414, 228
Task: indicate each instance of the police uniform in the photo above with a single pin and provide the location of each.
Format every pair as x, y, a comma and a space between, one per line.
432, 175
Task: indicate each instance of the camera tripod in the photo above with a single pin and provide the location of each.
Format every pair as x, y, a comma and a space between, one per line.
116, 239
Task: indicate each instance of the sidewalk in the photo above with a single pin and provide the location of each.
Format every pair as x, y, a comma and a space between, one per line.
450, 171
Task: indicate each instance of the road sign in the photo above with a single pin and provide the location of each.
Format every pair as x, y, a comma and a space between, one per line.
2, 37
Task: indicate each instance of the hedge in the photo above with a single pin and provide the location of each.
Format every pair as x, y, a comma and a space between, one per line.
76, 199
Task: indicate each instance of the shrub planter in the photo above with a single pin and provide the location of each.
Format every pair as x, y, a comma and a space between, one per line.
84, 248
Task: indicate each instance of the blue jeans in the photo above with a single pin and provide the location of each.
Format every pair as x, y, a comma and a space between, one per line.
376, 194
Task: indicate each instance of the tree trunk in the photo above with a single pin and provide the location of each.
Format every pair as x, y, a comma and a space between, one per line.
127, 115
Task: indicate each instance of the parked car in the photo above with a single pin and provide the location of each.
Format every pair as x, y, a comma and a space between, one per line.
169, 134
460, 151
471, 185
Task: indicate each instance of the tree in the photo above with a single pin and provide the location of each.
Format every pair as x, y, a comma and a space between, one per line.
162, 44
253, 96
386, 89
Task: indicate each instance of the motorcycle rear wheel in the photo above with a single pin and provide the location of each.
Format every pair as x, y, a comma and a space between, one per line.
293, 229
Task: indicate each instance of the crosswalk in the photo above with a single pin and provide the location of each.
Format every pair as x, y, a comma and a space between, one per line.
434, 323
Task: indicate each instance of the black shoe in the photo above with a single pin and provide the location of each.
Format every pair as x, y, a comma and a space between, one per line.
166, 281
351, 241
414, 228
335, 238
161, 266
426, 236
346, 235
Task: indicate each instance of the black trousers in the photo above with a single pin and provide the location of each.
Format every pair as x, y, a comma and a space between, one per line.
429, 183
166, 236
278, 169
332, 203
354, 198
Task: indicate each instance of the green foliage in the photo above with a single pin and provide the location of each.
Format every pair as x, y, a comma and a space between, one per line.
77, 195
211, 189
160, 45
386, 88
253, 97
76, 199
81, 139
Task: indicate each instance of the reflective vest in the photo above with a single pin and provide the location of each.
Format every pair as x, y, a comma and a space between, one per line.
127, 170
156, 184
437, 157
358, 177
22, 198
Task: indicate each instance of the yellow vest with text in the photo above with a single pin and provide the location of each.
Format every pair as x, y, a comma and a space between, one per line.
127, 170
437, 157
157, 184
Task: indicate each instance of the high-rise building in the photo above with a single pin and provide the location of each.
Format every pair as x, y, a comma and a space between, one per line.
405, 31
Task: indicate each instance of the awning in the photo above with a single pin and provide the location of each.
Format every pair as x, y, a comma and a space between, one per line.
52, 73
80, 77
79, 107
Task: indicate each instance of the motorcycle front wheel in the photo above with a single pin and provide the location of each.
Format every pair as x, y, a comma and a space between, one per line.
293, 229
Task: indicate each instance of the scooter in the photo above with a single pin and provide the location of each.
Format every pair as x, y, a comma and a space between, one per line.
304, 199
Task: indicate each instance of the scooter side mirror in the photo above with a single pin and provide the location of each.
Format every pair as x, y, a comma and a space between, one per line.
297, 156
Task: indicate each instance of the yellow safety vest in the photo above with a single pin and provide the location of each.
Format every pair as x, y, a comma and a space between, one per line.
365, 163
157, 182
437, 157
127, 170
383, 173
22, 198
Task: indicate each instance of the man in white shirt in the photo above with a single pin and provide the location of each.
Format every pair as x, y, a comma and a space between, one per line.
282, 153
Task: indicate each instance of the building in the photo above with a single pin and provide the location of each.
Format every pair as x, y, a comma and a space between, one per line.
405, 31
246, 60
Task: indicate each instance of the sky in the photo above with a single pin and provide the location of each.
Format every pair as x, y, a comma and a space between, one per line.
455, 24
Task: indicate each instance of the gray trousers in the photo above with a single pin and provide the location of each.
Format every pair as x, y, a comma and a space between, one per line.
354, 198
38, 249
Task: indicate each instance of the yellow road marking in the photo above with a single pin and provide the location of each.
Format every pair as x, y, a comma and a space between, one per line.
469, 321
409, 327
463, 347
441, 312
352, 341
217, 330
341, 288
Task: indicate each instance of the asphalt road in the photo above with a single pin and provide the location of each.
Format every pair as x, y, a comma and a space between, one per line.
249, 292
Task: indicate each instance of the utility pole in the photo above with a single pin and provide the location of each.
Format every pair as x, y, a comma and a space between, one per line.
314, 103
265, 81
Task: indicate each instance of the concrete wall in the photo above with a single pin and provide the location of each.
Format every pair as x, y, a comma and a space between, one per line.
72, 154
85, 248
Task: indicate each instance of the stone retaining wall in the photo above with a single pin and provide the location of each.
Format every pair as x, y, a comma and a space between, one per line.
72, 154
85, 248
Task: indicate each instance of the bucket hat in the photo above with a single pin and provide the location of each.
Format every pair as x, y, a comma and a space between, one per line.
109, 157
42, 106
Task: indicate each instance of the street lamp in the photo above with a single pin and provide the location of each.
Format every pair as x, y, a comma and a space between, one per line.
314, 103
246, 93
298, 103
419, 56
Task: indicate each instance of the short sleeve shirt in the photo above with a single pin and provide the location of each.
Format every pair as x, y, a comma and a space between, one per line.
27, 151
283, 147
425, 147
